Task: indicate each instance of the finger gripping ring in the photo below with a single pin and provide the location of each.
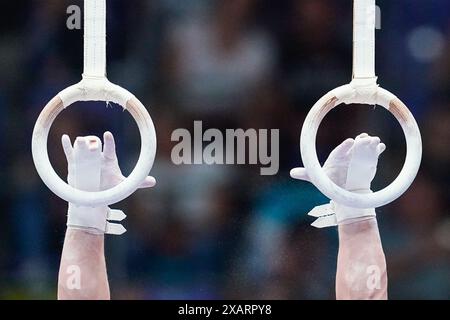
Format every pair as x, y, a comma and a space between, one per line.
94, 90
349, 94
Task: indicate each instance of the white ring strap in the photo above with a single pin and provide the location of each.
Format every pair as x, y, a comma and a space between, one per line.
364, 23
94, 38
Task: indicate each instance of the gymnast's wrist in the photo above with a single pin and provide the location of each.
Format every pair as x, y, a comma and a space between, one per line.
349, 215
89, 219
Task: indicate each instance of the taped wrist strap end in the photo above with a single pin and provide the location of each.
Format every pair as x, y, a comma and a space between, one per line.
327, 217
115, 228
97, 227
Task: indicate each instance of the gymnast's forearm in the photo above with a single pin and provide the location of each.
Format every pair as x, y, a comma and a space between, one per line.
361, 269
82, 273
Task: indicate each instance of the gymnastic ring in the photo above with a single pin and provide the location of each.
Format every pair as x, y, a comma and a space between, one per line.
99, 89
349, 94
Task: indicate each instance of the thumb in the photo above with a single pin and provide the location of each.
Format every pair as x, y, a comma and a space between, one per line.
300, 174
68, 151
109, 147
149, 182
381, 148
67, 147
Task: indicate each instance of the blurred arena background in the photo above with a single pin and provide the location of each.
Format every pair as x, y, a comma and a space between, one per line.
209, 232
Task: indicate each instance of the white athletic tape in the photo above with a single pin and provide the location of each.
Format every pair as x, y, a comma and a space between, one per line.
95, 89
333, 214
82, 217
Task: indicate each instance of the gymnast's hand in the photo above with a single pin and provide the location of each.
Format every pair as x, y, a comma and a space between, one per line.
351, 165
335, 167
87, 151
92, 169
